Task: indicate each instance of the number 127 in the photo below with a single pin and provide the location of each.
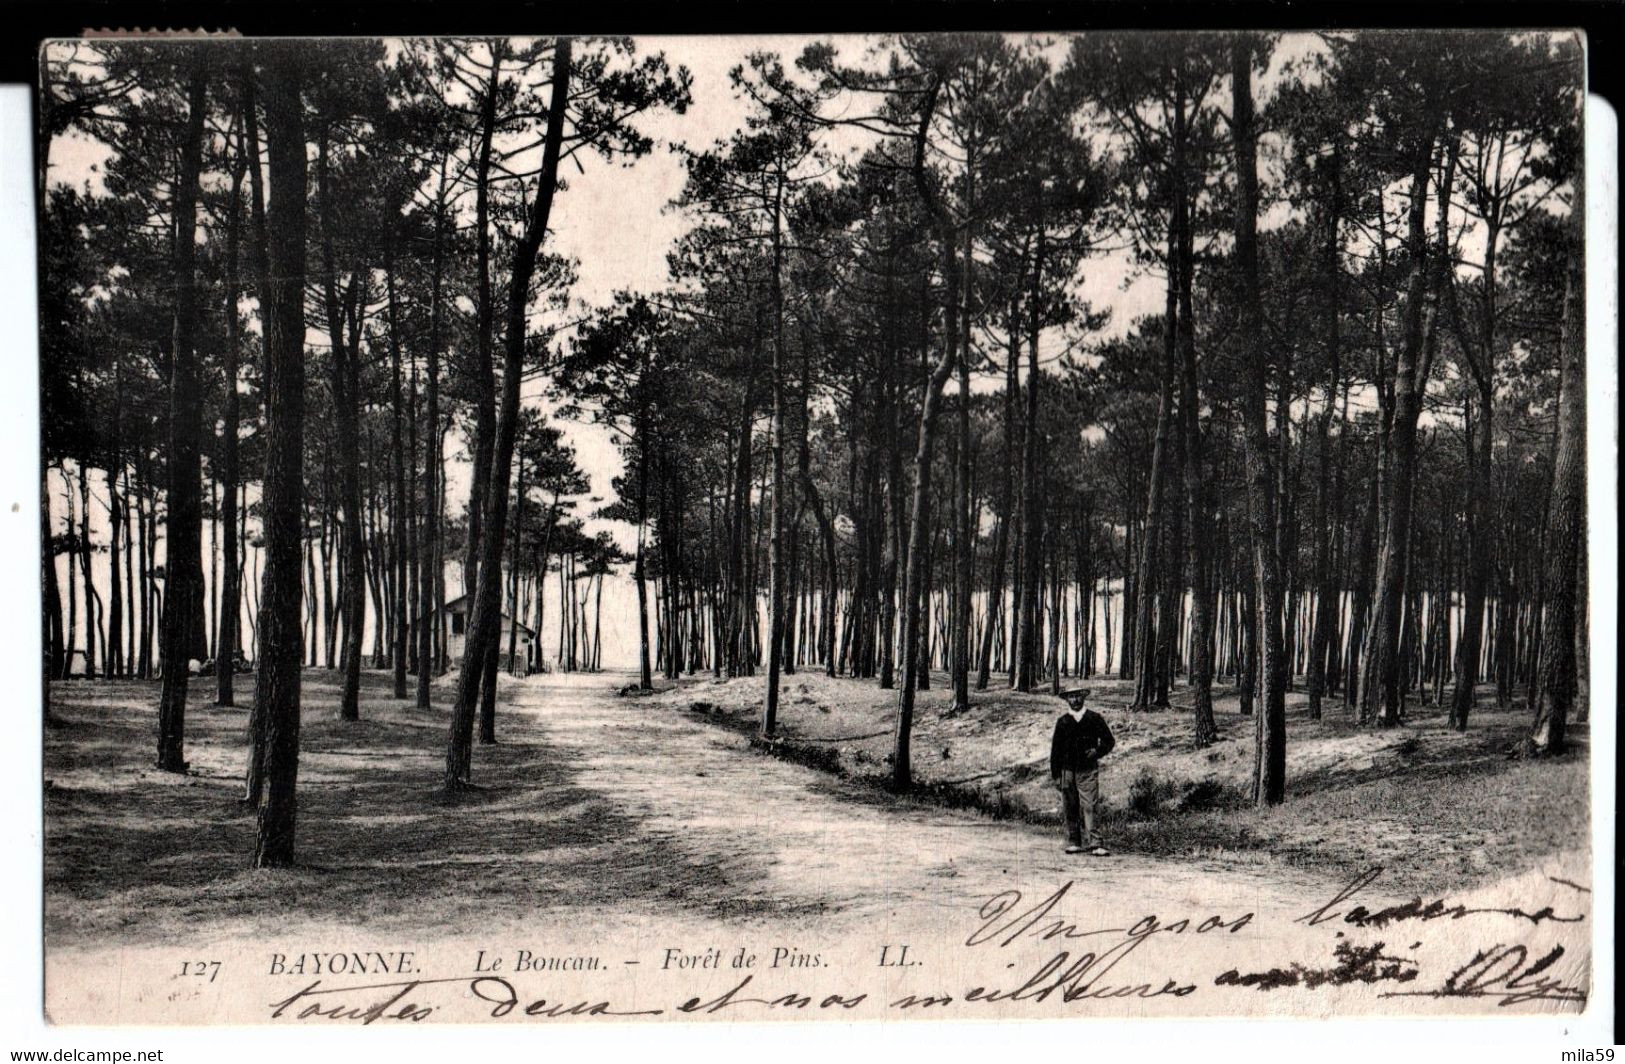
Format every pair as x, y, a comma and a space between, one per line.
201, 969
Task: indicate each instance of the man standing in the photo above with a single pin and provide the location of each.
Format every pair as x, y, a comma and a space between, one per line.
1081, 740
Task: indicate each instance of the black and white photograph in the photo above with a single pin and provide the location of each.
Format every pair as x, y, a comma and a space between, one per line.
861, 527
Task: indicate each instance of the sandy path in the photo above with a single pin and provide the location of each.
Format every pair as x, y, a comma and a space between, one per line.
798, 839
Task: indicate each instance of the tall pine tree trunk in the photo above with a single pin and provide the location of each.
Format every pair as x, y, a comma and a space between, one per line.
430, 614
1269, 778
73, 578
639, 573
776, 517
55, 654
1565, 523
276, 689
1032, 494
485, 618
1326, 590
87, 554
1480, 515
400, 520
964, 527
230, 591
112, 660
915, 576
1380, 667
896, 545
345, 408
1204, 728
1004, 499
184, 524
1146, 582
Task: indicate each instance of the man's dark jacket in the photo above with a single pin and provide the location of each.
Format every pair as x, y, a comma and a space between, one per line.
1079, 744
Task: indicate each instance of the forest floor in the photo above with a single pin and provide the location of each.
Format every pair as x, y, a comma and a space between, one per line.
1436, 808
623, 813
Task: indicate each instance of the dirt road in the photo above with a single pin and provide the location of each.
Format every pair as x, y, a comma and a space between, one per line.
793, 840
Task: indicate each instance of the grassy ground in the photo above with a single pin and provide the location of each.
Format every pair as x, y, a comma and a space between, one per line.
1438, 809
136, 855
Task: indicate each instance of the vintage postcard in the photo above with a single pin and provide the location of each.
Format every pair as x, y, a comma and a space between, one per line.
865, 528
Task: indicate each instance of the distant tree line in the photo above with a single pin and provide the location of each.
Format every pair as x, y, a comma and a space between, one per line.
872, 425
